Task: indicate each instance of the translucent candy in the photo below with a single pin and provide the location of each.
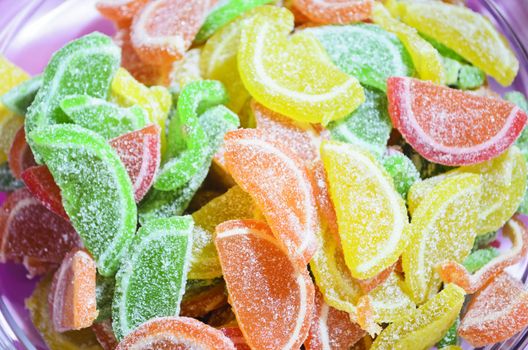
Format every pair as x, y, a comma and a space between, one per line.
293, 75
365, 51
151, 281
280, 184
104, 294
19, 98
335, 11
371, 215
105, 118
465, 128
479, 258
265, 302
235, 334
423, 327
369, 284
42, 186
402, 171
72, 295
20, 155
11, 75
443, 228
105, 335
120, 12
450, 338
96, 190
198, 302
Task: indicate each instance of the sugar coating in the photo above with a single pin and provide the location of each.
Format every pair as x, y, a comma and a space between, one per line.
450, 338
185, 70
332, 11
20, 97
402, 171
389, 301
480, 258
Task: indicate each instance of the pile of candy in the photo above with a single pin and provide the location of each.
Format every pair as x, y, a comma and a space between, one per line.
326, 174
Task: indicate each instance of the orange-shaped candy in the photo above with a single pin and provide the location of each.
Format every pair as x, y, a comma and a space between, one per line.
121, 12
235, 334
271, 292
335, 11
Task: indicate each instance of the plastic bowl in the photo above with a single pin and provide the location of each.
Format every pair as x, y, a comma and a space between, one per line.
31, 30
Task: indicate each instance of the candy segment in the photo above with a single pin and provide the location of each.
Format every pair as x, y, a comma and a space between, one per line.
334, 11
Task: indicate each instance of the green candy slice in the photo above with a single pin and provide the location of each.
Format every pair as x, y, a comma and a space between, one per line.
96, 190
104, 294
151, 281
476, 260
461, 75
369, 126
451, 336
19, 98
402, 171
366, 52
105, 118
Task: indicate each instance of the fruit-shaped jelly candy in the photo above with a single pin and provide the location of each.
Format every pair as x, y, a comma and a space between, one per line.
84, 66
371, 215
480, 258
198, 302
151, 281
28, 229
280, 184
295, 77
368, 126
402, 171
371, 283
270, 291
185, 70
331, 329
105, 118
443, 227
120, 12
449, 126
468, 33
426, 59
11, 75
42, 186
366, 52
234, 204
141, 154
105, 335
96, 190
10, 123
38, 307
104, 294
496, 313
163, 30
450, 337
20, 155
453, 272
235, 334
223, 13
8, 182
72, 295
335, 11
176, 333
19, 98
423, 327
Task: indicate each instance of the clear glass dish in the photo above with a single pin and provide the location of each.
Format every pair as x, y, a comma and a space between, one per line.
31, 30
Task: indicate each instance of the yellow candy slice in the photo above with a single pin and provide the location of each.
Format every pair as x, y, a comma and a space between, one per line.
426, 59
443, 228
468, 33
234, 204
371, 215
293, 75
420, 189
11, 75
423, 327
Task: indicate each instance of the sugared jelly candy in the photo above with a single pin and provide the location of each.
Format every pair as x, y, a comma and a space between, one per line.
334, 11
20, 97
121, 12
479, 258
402, 171
20, 156
105, 335
186, 70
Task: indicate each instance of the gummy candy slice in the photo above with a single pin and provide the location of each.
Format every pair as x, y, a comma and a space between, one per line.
141, 155
151, 281
371, 215
368, 126
164, 29
185, 70
335, 11
496, 313
85, 66
20, 155
20, 97
450, 338
468, 33
453, 272
366, 52
9, 125
331, 329
280, 184
423, 327
402, 171
96, 191
42, 186
7, 182
199, 303
470, 77
105, 335
72, 295
11, 74
264, 301
223, 13
28, 229
426, 59
38, 307
121, 12
176, 333
466, 130
104, 294
235, 334
105, 118
441, 231
479, 258
295, 77
371, 283
234, 204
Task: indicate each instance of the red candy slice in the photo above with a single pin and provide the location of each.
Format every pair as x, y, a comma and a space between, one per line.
331, 329
41, 184
175, 333
140, 153
20, 155
121, 12
235, 334
105, 335
496, 313
72, 300
270, 291
335, 11
449, 126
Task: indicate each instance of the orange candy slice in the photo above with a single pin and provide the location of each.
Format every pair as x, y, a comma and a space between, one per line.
334, 11
235, 334
121, 12
271, 293
72, 299
280, 184
175, 333
496, 313
453, 272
